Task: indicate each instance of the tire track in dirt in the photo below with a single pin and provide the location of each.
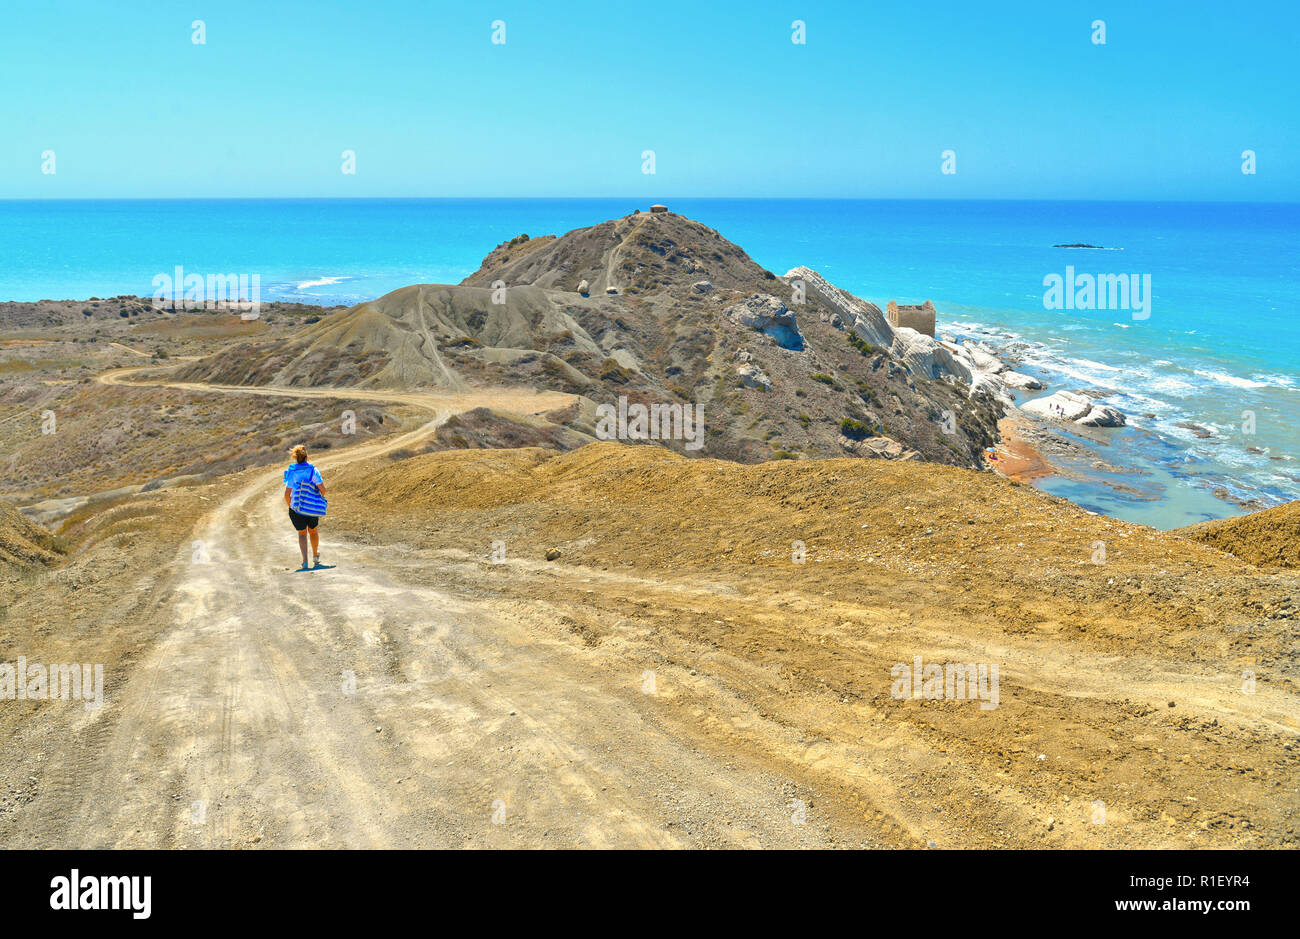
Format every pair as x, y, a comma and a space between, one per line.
932, 772
171, 708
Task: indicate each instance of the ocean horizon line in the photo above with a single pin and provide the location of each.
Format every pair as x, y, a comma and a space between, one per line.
688, 198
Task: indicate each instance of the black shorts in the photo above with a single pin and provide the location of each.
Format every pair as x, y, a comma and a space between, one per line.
301, 522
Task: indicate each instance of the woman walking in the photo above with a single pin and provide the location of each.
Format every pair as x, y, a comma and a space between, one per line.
304, 493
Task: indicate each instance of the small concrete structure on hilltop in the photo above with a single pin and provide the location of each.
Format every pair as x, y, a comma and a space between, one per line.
919, 317
658, 208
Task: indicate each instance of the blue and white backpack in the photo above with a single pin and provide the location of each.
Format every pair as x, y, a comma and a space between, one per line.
306, 498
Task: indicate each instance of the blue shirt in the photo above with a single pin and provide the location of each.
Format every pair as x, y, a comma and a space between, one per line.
301, 472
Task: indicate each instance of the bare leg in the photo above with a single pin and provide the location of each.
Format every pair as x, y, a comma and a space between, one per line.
315, 544
302, 546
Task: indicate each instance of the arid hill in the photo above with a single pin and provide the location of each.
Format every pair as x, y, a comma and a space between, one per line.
1266, 539
637, 254
920, 534
660, 309
22, 543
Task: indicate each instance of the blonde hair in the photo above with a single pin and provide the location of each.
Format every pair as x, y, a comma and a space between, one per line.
299, 453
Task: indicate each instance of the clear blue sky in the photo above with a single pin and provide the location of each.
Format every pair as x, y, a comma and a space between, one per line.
731, 107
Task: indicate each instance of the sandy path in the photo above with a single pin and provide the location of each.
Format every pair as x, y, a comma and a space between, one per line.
349, 708
612, 262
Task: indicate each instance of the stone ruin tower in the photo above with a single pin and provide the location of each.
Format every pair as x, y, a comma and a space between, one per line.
918, 317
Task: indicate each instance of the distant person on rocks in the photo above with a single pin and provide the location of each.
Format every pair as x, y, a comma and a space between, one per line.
304, 493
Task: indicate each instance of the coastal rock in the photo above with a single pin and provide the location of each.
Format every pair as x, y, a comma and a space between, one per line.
1079, 408
1063, 405
985, 383
958, 350
1020, 381
931, 358
976, 357
770, 316
1196, 429
926, 356
985, 360
584, 288
701, 286
923, 355
751, 376
1103, 415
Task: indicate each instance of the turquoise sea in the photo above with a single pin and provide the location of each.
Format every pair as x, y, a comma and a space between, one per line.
1222, 339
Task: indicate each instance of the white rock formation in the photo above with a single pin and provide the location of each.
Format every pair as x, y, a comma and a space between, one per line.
862, 317
754, 377
923, 355
1069, 406
986, 361
768, 315
989, 370
877, 447
1020, 381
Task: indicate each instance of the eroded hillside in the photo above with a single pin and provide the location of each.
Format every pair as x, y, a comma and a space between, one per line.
657, 309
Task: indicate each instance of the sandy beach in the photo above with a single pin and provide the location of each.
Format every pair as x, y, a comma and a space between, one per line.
1016, 458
